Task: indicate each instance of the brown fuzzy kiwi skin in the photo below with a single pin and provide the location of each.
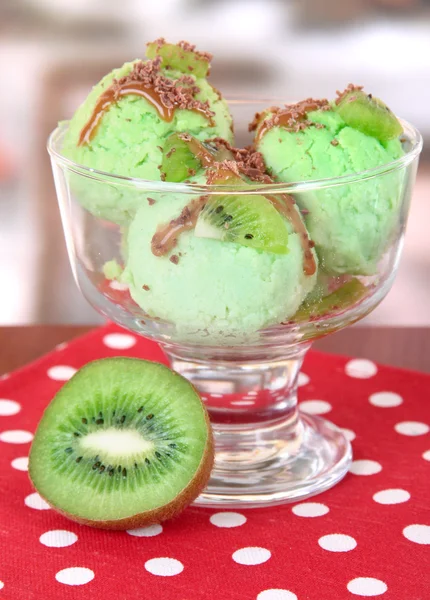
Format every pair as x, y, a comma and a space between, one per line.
162, 513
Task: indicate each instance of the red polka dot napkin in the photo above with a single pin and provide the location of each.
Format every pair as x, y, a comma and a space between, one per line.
367, 537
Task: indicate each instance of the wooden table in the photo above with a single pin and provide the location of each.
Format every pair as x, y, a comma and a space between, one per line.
402, 347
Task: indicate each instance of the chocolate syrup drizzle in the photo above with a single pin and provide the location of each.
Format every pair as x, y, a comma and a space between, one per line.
147, 81
292, 117
285, 205
112, 95
166, 237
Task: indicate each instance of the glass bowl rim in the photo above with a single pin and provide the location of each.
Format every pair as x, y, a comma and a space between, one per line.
413, 135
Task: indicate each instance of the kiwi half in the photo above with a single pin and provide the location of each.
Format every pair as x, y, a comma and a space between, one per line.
124, 444
369, 115
179, 58
248, 220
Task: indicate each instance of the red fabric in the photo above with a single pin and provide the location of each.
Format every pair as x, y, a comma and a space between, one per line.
295, 563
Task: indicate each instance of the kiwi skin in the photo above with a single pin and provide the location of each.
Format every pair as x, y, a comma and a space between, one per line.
162, 513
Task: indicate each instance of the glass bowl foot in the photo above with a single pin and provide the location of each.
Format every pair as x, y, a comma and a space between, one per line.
275, 464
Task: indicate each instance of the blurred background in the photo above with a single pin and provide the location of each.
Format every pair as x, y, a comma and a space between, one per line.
52, 51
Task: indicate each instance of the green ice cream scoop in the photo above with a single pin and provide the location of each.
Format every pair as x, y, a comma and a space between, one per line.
212, 290
122, 125
351, 224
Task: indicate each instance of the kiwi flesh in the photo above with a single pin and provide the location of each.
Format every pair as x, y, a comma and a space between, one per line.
179, 161
179, 59
346, 295
248, 220
184, 155
125, 443
369, 115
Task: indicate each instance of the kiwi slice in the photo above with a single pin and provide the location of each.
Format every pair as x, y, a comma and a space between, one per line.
248, 220
125, 443
369, 115
179, 161
184, 155
179, 58
346, 295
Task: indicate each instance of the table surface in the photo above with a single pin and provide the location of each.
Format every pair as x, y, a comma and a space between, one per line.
405, 347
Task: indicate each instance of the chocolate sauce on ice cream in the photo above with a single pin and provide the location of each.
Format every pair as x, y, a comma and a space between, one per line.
292, 117
146, 80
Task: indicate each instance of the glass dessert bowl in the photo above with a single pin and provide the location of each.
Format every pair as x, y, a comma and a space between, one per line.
236, 321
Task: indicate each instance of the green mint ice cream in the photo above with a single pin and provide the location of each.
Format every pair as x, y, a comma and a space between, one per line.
127, 136
215, 288
351, 224
128, 139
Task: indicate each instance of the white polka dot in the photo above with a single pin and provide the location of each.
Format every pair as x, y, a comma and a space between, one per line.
16, 436
61, 372
310, 509
20, 464
412, 428
4, 376
227, 519
393, 496
75, 576
385, 399
9, 408
361, 368
349, 434
276, 594
426, 455
61, 346
1, 585
252, 393
303, 379
119, 341
253, 555
367, 586
150, 531
165, 567
365, 467
36, 502
58, 538
315, 407
216, 395
117, 285
337, 542
242, 402
420, 534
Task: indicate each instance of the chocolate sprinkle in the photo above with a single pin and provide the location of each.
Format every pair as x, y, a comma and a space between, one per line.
247, 161
146, 79
151, 201
349, 88
174, 259
206, 56
292, 117
187, 47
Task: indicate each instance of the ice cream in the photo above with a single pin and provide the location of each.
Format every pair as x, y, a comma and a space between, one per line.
219, 266
351, 225
208, 288
121, 126
186, 267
